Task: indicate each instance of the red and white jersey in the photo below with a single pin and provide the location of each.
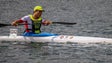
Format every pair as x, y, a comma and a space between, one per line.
29, 22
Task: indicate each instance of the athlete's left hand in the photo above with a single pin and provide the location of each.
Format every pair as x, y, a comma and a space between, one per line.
47, 22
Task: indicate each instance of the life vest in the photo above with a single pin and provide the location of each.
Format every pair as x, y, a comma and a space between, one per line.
34, 25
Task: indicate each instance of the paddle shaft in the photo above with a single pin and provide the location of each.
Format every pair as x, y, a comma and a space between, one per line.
64, 23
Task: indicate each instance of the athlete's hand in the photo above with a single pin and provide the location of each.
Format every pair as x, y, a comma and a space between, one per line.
14, 23
47, 22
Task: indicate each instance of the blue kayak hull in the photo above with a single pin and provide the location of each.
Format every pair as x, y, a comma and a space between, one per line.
43, 34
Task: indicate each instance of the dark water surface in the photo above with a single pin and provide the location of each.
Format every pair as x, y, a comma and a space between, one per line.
93, 18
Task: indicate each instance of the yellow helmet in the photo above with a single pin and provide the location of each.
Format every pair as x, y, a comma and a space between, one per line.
38, 8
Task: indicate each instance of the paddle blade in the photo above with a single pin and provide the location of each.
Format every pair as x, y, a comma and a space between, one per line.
2, 24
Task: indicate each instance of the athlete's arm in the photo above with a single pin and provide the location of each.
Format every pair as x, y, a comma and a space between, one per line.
16, 22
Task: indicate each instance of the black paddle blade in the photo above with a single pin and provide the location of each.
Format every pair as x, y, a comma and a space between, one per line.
65, 23
3, 25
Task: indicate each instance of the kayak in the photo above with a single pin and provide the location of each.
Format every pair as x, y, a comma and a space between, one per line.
59, 38
50, 37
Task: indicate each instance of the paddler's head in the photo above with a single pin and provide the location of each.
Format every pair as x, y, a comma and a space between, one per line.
37, 12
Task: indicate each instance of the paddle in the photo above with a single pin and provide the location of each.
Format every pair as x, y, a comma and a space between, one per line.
65, 23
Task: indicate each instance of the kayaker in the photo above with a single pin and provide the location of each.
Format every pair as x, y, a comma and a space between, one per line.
33, 22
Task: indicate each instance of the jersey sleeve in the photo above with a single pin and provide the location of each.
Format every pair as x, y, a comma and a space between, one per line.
24, 18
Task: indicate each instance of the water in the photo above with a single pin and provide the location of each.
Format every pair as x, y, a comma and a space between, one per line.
56, 53
93, 18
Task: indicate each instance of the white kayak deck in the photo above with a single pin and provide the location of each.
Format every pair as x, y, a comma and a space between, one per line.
59, 38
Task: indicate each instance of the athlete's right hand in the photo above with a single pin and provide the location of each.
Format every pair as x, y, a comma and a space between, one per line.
14, 23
